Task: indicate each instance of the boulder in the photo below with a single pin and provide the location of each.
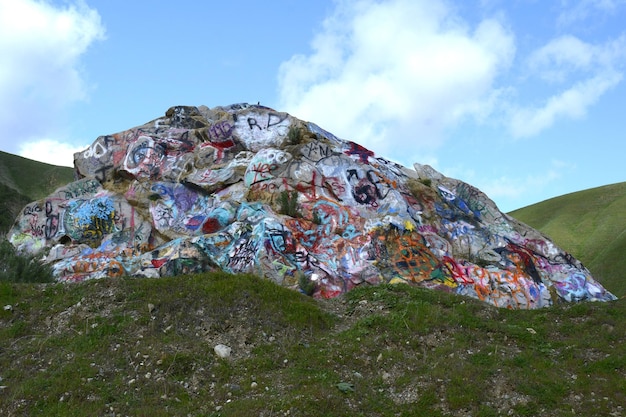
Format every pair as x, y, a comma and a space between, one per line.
245, 188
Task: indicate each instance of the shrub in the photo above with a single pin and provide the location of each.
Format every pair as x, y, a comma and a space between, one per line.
305, 283
289, 203
294, 136
21, 268
426, 181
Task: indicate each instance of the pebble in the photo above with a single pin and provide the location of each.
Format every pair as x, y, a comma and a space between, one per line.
222, 351
254, 385
8, 307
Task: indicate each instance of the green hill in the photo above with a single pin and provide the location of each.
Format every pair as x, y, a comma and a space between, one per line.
591, 225
32, 178
23, 180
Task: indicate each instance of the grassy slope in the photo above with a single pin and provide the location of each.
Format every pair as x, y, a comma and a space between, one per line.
22, 181
11, 202
31, 178
145, 347
591, 225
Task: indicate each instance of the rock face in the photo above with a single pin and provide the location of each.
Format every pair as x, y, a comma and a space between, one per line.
244, 188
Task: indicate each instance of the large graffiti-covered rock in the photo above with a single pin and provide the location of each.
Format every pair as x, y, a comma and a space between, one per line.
244, 188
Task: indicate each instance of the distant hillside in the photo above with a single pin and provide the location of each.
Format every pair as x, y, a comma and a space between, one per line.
591, 225
31, 178
23, 180
11, 202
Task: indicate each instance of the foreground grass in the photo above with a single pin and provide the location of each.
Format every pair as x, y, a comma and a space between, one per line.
145, 347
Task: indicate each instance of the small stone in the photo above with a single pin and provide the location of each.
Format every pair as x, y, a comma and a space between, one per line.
379, 357
345, 387
8, 307
222, 351
132, 381
254, 385
150, 308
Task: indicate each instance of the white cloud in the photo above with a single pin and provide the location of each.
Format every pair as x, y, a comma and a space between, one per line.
50, 151
41, 45
401, 74
559, 57
587, 71
571, 103
394, 75
509, 192
577, 11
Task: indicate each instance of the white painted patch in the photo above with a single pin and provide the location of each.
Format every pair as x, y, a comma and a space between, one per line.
258, 130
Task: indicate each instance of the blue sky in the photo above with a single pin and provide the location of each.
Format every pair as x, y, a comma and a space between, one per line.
523, 99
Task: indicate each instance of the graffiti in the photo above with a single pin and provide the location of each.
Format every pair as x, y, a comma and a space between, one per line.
99, 148
456, 202
281, 241
273, 119
261, 130
357, 150
32, 210
87, 220
36, 230
265, 165
576, 288
520, 259
220, 131
336, 185
242, 255
52, 221
260, 172
144, 158
407, 258
80, 188
392, 169
471, 197
316, 151
456, 230
368, 188
163, 216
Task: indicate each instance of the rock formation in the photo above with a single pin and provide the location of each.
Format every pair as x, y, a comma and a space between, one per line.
244, 188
